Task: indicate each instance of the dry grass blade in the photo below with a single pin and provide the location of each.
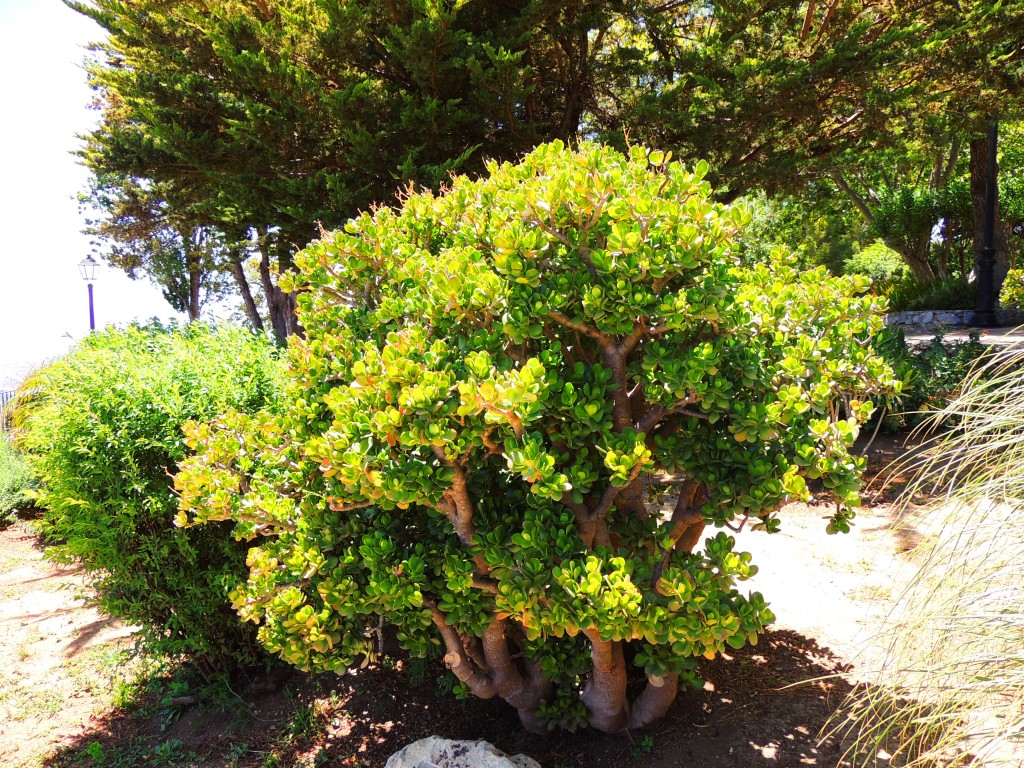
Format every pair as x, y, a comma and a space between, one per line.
951, 689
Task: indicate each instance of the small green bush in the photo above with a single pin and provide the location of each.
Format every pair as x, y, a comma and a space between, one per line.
16, 481
912, 295
930, 376
103, 430
1011, 296
879, 262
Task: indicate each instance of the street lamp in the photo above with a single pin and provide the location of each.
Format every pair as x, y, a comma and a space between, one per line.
985, 306
87, 267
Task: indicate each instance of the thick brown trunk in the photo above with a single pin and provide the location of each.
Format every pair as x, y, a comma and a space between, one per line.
542, 688
251, 310
631, 499
604, 694
280, 305
655, 699
684, 527
916, 259
524, 692
979, 180
487, 668
459, 660
194, 275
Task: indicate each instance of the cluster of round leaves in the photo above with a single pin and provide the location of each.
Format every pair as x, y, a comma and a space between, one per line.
464, 339
1011, 295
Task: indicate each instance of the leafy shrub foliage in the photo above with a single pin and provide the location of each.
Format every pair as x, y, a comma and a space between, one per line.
16, 481
905, 218
103, 426
1011, 295
930, 376
489, 381
911, 294
879, 262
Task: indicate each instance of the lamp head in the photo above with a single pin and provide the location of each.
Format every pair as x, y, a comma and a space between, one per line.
87, 267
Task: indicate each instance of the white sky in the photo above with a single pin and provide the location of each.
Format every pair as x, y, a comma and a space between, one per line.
43, 104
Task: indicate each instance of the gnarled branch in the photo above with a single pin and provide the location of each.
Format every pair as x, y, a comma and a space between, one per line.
685, 526
457, 659
587, 330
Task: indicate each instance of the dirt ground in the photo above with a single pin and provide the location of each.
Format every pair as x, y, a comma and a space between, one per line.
55, 652
61, 666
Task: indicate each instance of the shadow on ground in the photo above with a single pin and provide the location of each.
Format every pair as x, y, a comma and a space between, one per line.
762, 706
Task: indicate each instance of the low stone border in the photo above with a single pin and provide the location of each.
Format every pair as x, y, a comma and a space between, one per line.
935, 319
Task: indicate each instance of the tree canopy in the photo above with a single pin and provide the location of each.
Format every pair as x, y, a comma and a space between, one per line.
260, 118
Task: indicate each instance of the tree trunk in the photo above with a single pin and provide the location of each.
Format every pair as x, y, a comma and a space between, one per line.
251, 310
915, 256
604, 694
979, 180
917, 260
524, 692
487, 668
280, 305
194, 280
653, 702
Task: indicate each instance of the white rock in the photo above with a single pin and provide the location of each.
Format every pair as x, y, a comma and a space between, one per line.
435, 752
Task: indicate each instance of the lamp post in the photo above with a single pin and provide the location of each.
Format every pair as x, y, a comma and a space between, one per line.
985, 307
87, 267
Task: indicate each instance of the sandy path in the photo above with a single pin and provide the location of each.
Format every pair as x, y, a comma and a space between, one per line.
836, 589
57, 656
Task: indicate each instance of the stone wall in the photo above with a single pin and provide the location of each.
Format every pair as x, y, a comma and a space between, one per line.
935, 319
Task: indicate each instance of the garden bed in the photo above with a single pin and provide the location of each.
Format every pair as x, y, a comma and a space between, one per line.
762, 706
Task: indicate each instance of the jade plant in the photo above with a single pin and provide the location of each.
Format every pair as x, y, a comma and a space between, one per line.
494, 384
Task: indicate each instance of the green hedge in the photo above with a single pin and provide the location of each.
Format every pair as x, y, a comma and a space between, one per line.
15, 481
879, 262
102, 426
911, 295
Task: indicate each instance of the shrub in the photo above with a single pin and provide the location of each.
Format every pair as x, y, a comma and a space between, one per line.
911, 295
952, 680
929, 376
16, 481
1011, 295
103, 427
879, 262
489, 382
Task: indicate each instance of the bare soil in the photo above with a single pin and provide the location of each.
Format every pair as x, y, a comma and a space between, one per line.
765, 705
53, 653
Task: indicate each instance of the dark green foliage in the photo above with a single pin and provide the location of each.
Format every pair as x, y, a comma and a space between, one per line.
906, 220
251, 117
930, 376
146, 236
103, 431
769, 89
910, 294
813, 228
16, 481
1011, 187
269, 118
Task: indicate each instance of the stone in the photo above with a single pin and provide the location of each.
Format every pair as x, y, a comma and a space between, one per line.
435, 752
